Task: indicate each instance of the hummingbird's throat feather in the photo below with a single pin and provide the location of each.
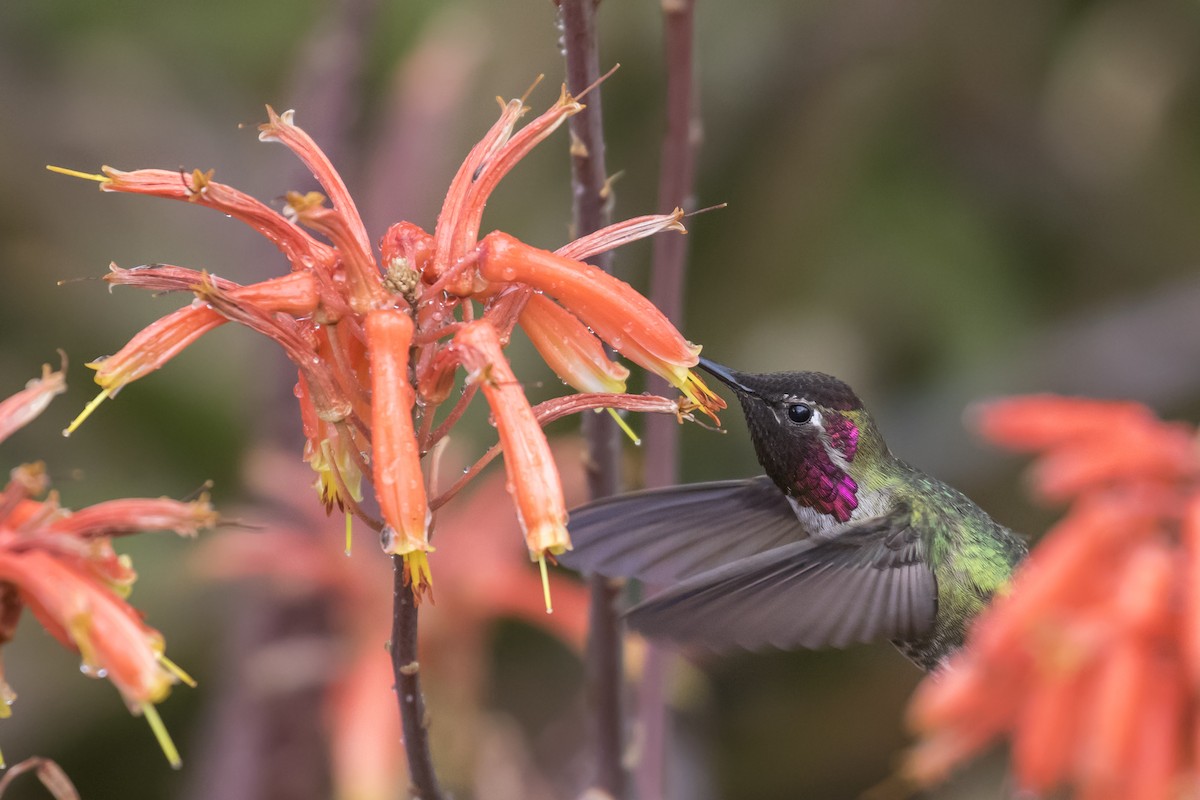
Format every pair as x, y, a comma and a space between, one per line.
820, 480
843, 434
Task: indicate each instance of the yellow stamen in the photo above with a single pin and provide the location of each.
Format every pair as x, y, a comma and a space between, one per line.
348, 533
700, 396
545, 582
177, 671
623, 425
74, 173
160, 733
419, 574
3, 763
87, 411
532, 86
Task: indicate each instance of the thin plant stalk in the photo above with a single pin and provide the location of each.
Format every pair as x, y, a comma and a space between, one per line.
577, 19
675, 188
413, 718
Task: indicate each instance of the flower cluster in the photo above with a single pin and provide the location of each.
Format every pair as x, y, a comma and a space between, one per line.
60, 564
1091, 664
378, 341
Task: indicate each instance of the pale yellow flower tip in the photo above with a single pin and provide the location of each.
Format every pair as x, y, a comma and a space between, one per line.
420, 577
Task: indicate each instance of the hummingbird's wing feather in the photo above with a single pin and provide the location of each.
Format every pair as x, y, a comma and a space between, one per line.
662, 535
870, 582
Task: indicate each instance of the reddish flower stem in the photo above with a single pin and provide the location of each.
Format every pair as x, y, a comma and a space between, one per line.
674, 191
675, 187
460, 408
588, 176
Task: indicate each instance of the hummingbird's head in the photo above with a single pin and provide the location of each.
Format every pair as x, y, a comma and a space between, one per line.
806, 428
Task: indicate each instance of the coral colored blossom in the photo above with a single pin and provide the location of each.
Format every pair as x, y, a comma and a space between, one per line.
609, 306
569, 348
396, 461
61, 566
484, 576
532, 474
1090, 664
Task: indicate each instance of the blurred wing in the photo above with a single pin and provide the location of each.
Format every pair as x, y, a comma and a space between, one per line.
663, 535
871, 582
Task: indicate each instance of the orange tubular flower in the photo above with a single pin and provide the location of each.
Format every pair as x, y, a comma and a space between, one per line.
494, 166
154, 346
1091, 665
532, 473
396, 458
168, 336
199, 188
569, 348
629, 322
61, 565
366, 288
18, 410
84, 615
117, 517
295, 293
622, 233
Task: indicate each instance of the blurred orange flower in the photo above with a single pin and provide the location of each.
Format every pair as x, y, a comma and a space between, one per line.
484, 576
62, 567
1091, 664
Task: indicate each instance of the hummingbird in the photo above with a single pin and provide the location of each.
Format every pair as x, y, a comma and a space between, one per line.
839, 542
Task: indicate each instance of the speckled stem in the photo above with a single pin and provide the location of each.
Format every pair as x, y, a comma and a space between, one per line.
406, 668
675, 187
577, 20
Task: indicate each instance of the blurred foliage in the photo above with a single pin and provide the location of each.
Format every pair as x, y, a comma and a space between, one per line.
936, 201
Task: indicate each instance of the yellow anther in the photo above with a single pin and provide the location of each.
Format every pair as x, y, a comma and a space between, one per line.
348, 533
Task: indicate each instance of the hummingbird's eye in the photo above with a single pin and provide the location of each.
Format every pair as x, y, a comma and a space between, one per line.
799, 413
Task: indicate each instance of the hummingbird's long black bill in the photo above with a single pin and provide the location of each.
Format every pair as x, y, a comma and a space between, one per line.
726, 376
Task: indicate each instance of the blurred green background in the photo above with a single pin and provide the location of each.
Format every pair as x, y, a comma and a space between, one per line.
937, 201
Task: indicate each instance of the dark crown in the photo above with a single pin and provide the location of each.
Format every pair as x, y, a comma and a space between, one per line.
816, 387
